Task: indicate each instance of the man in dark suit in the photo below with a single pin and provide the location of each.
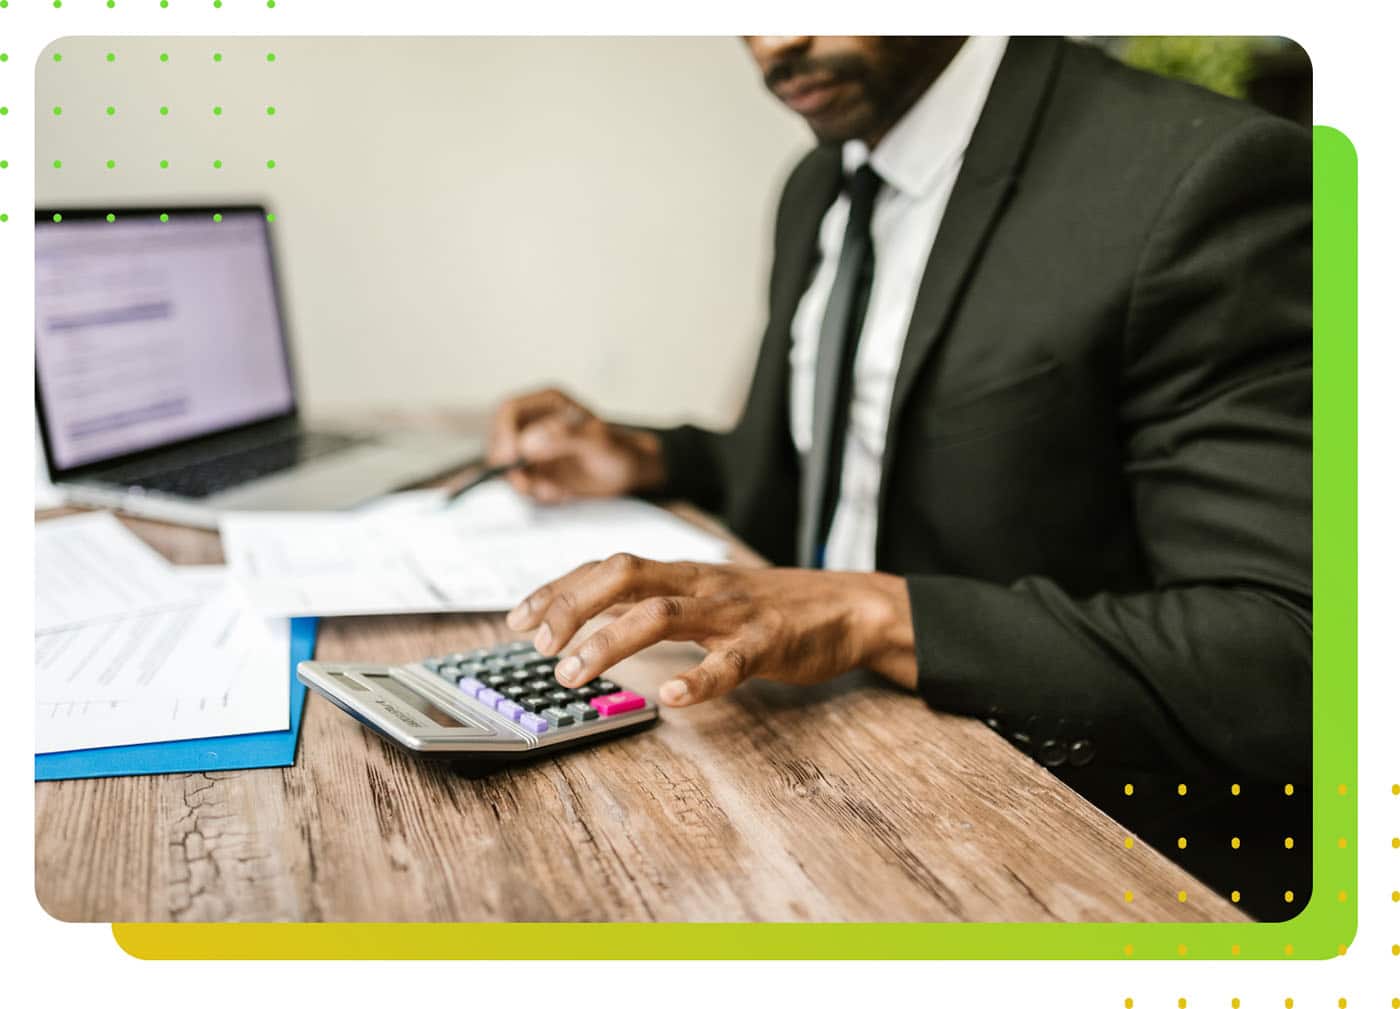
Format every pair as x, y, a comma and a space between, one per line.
1029, 433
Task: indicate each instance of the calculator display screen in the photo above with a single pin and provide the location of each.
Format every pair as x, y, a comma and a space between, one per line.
417, 701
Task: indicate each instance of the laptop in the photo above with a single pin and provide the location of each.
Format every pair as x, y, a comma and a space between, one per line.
163, 379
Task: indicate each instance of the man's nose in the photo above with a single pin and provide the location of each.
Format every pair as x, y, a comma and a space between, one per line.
768, 49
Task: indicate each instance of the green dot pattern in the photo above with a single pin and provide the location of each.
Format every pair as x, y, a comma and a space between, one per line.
271, 217
4, 57
4, 218
111, 218
4, 110
4, 164
164, 218
111, 110
57, 218
218, 218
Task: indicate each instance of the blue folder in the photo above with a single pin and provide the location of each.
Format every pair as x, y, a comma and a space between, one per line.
218, 753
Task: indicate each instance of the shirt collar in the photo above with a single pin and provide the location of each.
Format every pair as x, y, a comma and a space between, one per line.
931, 137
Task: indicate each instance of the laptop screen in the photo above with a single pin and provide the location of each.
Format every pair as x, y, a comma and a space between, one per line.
149, 332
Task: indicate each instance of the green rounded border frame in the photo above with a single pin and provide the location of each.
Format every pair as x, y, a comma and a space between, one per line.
1323, 929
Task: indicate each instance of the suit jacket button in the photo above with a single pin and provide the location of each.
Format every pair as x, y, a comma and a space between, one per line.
1052, 753
1081, 753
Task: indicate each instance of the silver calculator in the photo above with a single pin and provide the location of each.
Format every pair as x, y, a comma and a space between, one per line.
485, 705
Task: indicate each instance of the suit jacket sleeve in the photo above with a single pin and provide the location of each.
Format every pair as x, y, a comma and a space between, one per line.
1212, 667
707, 467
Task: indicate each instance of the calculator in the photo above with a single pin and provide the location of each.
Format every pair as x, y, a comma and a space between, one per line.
485, 705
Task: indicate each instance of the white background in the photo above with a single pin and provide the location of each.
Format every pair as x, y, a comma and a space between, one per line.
1355, 66
460, 216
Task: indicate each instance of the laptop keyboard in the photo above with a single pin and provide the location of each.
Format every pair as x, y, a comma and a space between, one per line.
210, 476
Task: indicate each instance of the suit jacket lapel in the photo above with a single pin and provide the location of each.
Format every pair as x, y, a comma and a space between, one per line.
990, 168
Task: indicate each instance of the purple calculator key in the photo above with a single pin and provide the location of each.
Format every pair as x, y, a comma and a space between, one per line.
533, 722
488, 697
469, 686
508, 708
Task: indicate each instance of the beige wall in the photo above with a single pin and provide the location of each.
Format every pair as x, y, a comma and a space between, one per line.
462, 217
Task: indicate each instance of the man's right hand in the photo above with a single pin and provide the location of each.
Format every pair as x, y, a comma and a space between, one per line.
571, 452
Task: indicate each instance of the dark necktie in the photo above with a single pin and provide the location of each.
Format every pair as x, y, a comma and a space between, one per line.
833, 379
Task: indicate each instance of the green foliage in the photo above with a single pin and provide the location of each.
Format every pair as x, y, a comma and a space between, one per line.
1221, 63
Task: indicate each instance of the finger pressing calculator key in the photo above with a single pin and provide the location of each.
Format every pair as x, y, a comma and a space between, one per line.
484, 704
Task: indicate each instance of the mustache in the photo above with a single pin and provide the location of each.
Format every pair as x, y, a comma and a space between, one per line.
840, 67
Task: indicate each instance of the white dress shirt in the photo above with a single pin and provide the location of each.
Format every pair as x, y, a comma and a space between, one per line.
918, 160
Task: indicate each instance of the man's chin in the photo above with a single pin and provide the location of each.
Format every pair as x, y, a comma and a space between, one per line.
838, 126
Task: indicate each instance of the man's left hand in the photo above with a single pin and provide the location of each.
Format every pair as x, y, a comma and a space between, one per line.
787, 624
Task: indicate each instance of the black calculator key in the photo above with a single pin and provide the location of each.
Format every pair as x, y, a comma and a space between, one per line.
494, 679
543, 668
557, 717
561, 696
586, 691
581, 711
605, 687
515, 691
541, 686
521, 675
535, 704
496, 664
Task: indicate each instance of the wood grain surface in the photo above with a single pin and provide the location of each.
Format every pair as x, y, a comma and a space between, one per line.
849, 802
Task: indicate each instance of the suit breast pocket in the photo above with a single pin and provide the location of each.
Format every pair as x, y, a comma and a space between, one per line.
1002, 405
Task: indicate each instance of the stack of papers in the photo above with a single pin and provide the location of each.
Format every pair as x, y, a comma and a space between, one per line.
133, 655
129, 649
409, 553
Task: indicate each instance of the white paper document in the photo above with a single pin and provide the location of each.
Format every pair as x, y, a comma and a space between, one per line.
207, 668
90, 567
409, 554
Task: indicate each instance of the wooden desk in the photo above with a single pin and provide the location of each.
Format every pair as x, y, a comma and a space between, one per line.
848, 802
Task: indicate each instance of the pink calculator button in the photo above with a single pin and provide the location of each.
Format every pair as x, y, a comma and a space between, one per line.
616, 704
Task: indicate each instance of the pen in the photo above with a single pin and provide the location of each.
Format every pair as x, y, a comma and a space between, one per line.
487, 474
